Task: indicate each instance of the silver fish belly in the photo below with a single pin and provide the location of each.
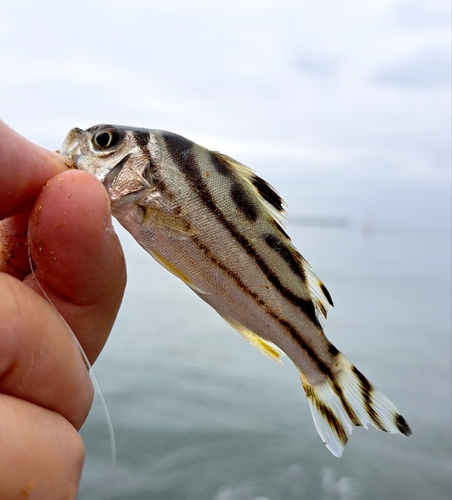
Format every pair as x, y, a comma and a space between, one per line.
217, 226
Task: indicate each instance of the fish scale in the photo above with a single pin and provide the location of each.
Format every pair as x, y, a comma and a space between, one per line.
218, 227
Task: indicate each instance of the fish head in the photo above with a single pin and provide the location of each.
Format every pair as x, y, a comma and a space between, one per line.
116, 158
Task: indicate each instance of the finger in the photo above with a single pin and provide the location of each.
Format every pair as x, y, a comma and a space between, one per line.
13, 245
78, 258
41, 454
24, 169
39, 359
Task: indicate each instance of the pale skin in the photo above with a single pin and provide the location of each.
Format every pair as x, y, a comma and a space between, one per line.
63, 217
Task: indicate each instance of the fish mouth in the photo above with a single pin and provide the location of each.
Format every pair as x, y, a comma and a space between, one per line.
71, 145
76, 159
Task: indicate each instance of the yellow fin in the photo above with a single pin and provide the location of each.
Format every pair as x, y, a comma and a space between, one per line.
268, 348
173, 270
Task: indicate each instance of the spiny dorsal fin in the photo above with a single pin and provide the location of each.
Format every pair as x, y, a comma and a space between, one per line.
268, 192
264, 193
268, 348
273, 206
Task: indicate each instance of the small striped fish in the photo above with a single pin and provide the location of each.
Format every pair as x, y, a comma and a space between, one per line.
218, 227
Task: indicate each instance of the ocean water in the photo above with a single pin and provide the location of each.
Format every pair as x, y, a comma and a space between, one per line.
199, 414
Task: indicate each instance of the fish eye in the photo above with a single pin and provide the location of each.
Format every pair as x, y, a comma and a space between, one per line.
106, 139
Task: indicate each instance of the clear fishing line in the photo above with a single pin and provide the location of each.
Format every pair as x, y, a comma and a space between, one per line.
94, 380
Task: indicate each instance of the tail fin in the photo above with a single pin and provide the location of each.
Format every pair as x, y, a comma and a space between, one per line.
349, 400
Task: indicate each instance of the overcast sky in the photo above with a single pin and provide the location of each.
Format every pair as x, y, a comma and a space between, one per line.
352, 87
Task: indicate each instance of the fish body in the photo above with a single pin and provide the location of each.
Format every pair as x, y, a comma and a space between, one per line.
218, 227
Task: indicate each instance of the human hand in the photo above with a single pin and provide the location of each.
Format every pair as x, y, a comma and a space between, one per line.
45, 390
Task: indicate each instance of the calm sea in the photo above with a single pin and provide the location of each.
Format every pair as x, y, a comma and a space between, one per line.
199, 414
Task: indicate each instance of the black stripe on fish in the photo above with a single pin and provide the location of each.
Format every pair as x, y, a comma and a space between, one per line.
178, 147
322, 308
95, 128
326, 293
180, 150
334, 424
323, 368
287, 327
402, 425
366, 391
223, 167
220, 165
333, 350
279, 247
285, 324
292, 332
268, 193
150, 172
243, 202
142, 137
235, 277
279, 228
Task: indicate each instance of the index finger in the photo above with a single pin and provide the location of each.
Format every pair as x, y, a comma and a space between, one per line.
24, 169
78, 258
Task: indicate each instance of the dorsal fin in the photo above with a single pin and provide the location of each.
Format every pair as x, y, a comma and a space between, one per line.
268, 193
267, 196
273, 205
320, 296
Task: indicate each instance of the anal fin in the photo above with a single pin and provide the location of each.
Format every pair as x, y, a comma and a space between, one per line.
173, 270
268, 348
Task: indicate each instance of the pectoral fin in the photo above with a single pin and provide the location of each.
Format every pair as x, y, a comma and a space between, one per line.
169, 221
268, 348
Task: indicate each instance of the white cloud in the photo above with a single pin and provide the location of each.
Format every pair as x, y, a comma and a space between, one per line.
425, 69
332, 84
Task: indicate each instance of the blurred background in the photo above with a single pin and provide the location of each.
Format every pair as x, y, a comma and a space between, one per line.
344, 107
